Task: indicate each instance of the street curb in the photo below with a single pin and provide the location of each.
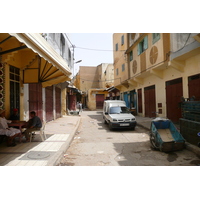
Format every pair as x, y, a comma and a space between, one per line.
54, 161
138, 124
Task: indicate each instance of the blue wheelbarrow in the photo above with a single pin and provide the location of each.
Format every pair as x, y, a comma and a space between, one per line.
164, 136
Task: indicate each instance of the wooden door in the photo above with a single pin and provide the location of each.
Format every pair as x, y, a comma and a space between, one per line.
35, 99
49, 103
174, 92
150, 101
99, 101
72, 102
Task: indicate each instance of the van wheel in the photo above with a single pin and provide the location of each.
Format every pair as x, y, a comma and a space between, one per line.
105, 122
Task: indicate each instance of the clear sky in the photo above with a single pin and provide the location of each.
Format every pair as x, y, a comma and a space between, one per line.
92, 48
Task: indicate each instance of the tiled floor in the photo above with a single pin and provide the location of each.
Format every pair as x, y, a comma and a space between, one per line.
37, 153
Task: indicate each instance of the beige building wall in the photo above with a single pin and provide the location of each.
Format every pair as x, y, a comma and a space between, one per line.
109, 76
106, 75
120, 58
94, 80
88, 78
162, 61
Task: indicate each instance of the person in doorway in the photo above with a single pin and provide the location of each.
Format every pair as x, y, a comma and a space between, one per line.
34, 124
15, 115
11, 133
80, 106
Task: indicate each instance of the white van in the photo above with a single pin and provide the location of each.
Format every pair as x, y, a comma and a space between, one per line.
117, 115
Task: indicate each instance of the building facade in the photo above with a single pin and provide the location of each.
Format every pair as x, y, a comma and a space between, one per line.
93, 82
33, 76
162, 68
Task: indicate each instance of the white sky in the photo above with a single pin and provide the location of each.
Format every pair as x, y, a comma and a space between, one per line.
95, 42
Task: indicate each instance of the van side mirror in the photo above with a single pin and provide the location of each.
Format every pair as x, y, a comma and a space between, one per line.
106, 113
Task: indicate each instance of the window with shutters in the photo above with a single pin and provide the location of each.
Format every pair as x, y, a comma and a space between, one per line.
131, 55
62, 45
123, 67
116, 47
143, 45
156, 37
122, 40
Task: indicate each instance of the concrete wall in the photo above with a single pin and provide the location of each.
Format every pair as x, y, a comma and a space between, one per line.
178, 40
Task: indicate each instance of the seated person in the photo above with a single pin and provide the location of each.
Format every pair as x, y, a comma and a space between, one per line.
34, 124
11, 133
15, 115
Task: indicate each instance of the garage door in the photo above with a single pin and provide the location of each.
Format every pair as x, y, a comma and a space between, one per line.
49, 103
174, 92
35, 99
150, 101
99, 101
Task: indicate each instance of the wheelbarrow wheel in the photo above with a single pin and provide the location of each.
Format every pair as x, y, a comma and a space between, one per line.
153, 142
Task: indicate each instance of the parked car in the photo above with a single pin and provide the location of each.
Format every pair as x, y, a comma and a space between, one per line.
117, 115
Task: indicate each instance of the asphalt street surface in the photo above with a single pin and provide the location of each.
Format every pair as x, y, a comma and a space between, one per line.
95, 145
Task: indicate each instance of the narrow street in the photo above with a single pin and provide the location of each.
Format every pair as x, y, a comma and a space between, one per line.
95, 145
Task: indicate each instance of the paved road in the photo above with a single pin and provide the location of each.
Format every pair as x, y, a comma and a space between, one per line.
95, 145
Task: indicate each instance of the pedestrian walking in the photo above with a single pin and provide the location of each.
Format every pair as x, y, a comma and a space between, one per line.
80, 106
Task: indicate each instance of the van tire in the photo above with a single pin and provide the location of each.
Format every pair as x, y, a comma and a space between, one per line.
105, 122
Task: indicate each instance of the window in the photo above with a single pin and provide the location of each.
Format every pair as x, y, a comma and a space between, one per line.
156, 37
123, 67
62, 45
116, 47
117, 72
118, 110
143, 45
122, 40
131, 55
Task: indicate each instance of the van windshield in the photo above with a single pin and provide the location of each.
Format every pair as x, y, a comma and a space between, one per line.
118, 110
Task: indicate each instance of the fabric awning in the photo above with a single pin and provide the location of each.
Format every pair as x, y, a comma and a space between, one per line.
49, 67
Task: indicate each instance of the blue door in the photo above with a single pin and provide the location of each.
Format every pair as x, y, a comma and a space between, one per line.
127, 99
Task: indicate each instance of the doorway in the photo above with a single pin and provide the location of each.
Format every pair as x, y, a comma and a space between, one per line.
174, 92
14, 89
150, 101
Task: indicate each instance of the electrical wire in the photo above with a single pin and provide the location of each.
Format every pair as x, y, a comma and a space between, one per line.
69, 40
98, 80
97, 49
184, 44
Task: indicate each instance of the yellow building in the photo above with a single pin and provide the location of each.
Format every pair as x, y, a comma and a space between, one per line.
121, 71
162, 68
31, 73
93, 81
